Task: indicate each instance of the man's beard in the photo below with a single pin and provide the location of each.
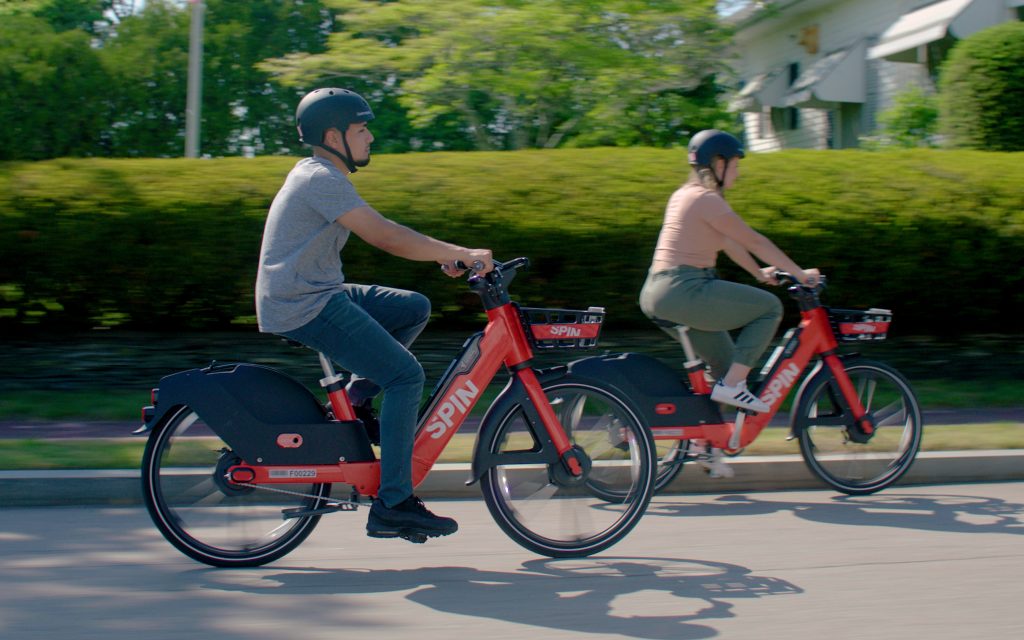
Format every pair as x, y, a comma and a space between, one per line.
363, 162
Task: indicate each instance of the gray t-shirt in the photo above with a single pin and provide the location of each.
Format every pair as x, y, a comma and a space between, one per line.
300, 261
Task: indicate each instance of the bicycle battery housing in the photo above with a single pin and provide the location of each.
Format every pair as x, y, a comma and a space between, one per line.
655, 389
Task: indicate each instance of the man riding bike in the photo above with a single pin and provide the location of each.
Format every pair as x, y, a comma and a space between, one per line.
302, 294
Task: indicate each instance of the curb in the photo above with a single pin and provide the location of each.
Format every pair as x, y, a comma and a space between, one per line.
756, 473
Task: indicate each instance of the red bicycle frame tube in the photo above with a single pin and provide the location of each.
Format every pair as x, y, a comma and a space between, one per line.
813, 337
503, 343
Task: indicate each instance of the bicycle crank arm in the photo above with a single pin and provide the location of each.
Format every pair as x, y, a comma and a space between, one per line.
287, 514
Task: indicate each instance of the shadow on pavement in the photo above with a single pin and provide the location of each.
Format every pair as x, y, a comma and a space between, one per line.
605, 595
950, 513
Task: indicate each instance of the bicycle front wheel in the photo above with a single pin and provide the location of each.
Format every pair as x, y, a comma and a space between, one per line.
549, 512
209, 519
829, 439
671, 455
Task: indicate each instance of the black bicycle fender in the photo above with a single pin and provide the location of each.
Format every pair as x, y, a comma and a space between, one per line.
655, 390
650, 388
264, 415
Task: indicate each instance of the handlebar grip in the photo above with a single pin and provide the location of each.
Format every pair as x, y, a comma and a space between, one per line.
462, 266
785, 276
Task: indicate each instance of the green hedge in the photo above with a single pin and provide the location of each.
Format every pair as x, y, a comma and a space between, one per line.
936, 235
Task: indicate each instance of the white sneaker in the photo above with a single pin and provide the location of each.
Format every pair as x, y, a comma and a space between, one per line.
738, 396
711, 459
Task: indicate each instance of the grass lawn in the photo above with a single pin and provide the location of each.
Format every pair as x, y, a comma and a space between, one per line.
126, 453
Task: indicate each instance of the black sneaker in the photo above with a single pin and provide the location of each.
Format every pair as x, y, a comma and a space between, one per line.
408, 519
366, 413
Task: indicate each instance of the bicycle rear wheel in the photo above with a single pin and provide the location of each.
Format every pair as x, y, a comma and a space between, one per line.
548, 512
829, 436
205, 517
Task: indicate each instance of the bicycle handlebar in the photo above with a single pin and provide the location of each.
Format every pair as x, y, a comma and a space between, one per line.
476, 266
785, 276
512, 265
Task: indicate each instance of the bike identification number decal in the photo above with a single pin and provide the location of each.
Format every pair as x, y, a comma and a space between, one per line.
293, 473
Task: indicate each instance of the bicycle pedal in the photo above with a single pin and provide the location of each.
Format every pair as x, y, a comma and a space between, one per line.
330, 507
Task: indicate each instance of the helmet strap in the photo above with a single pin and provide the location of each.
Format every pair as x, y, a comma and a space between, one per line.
345, 157
348, 162
725, 170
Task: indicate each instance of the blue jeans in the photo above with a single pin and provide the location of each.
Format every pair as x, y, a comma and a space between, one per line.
366, 330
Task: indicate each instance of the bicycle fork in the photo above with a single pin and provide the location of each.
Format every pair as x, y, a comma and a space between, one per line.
850, 397
568, 455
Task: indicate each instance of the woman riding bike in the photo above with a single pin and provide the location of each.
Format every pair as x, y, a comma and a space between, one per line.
683, 288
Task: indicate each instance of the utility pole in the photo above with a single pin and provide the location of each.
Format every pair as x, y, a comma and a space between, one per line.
193, 102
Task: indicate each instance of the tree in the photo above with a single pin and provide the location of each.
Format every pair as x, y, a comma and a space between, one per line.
981, 89
54, 91
244, 110
912, 121
98, 77
513, 74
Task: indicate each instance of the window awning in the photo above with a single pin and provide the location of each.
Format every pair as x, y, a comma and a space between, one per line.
763, 90
838, 77
959, 18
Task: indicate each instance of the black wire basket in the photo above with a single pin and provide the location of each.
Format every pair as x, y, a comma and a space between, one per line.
562, 328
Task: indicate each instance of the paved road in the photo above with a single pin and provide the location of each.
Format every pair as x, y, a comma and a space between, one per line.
938, 562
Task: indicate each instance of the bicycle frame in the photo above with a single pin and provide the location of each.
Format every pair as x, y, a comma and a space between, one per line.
502, 342
812, 337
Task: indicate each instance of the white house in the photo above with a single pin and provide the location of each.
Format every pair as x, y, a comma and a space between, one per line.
815, 73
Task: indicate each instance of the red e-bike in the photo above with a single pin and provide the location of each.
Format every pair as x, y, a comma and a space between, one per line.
857, 420
241, 459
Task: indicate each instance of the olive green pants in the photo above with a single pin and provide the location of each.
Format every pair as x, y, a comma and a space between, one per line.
711, 308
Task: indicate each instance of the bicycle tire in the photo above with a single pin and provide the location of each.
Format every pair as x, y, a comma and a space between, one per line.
208, 520
619, 451
826, 445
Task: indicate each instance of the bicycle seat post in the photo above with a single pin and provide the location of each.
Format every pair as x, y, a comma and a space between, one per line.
332, 383
694, 365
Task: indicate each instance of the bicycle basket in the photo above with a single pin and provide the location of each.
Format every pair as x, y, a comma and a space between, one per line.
855, 325
562, 328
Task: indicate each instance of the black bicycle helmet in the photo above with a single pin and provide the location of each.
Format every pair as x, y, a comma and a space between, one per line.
710, 143
323, 109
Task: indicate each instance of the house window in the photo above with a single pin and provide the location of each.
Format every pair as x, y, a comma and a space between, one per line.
785, 118
936, 53
791, 115
764, 123
792, 118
